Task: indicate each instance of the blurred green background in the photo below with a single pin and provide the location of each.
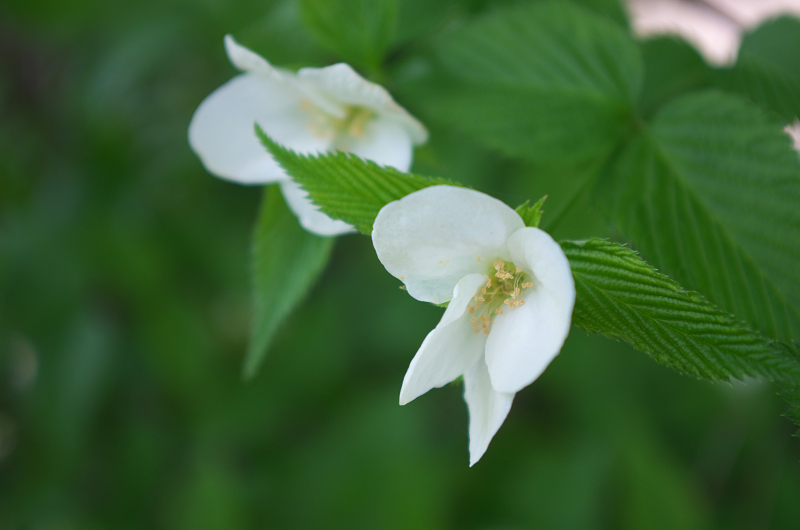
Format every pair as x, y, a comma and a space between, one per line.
125, 306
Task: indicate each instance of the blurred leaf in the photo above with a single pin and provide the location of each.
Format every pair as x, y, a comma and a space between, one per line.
671, 68
287, 261
621, 296
768, 68
345, 186
548, 81
358, 30
531, 214
791, 392
709, 195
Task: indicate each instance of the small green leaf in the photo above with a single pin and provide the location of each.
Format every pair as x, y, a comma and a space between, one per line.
621, 296
531, 214
358, 30
344, 186
287, 261
767, 70
548, 81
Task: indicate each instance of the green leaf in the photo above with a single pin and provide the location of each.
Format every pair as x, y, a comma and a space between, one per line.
345, 186
549, 81
710, 194
358, 30
767, 70
531, 215
621, 296
287, 261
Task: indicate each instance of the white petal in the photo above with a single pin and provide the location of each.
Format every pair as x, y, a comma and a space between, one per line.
524, 340
309, 215
487, 409
383, 141
433, 237
248, 61
221, 131
342, 84
450, 349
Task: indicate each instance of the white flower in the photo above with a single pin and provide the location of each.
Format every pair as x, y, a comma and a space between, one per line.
510, 290
311, 111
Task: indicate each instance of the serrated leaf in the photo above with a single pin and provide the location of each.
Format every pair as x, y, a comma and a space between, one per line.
531, 213
344, 186
547, 81
767, 70
710, 193
358, 30
287, 261
621, 296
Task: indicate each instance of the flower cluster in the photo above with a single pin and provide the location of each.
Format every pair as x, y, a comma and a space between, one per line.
509, 287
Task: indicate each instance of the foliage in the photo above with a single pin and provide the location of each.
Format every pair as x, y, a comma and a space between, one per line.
125, 287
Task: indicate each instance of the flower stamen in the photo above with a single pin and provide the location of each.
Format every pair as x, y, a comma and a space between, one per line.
503, 293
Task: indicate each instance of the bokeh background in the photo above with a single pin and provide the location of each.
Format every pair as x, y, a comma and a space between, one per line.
125, 307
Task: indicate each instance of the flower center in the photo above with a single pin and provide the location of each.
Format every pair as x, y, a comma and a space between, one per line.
502, 292
324, 124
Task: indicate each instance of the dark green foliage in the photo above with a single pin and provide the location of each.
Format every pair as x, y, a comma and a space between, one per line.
287, 261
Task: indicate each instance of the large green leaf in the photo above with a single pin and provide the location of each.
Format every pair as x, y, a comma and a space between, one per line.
345, 186
767, 70
287, 261
550, 81
709, 193
358, 30
621, 296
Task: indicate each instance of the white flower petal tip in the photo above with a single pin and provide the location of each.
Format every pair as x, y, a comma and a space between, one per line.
447, 352
312, 111
443, 242
247, 60
487, 410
